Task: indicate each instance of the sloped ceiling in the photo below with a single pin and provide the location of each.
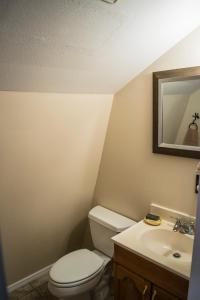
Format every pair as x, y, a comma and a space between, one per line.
86, 46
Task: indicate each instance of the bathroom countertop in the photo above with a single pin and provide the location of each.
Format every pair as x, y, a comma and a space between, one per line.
137, 239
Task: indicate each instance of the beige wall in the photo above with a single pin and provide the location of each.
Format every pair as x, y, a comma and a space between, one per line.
50, 149
131, 176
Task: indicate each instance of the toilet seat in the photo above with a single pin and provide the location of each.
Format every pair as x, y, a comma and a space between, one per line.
62, 291
92, 274
82, 266
76, 283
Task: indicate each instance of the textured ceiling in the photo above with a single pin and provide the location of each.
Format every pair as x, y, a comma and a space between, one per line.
77, 46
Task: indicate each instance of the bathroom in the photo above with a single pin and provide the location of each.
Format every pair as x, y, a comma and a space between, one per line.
76, 113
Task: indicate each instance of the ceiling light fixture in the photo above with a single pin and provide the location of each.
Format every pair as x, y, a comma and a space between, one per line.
110, 1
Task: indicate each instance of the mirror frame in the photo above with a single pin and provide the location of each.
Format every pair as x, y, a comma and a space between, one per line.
170, 75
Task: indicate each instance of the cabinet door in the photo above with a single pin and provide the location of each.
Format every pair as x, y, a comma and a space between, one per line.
130, 286
159, 294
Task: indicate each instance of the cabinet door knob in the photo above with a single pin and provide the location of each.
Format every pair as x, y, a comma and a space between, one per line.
154, 295
145, 290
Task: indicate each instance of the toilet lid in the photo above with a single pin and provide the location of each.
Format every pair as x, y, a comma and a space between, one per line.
76, 266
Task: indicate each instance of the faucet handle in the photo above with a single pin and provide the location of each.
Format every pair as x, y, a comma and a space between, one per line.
192, 228
177, 225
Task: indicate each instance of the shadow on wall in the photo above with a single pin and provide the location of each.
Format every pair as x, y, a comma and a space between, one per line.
80, 237
87, 240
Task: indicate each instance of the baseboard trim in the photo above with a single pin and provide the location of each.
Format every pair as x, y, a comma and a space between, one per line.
28, 279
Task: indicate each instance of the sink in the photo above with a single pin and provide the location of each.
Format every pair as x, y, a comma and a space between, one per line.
159, 244
168, 243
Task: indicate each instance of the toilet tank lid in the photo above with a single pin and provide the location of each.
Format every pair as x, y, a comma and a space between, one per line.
110, 219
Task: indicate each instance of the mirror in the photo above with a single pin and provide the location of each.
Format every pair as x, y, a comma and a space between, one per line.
176, 112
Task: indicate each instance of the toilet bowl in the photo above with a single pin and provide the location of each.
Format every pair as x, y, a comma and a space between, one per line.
86, 268
80, 271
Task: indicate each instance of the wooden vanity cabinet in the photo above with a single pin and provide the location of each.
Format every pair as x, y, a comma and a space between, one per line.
130, 286
139, 279
160, 294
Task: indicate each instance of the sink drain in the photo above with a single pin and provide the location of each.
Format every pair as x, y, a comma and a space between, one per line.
177, 255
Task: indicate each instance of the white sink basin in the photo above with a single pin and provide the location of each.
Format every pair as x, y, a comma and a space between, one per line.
169, 244
160, 244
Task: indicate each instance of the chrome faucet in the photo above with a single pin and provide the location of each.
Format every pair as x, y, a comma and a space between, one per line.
184, 226
177, 225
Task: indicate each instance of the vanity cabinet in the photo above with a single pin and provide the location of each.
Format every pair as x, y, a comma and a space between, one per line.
160, 294
139, 279
130, 286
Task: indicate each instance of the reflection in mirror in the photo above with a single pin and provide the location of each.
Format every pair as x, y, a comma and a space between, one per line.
181, 107
176, 112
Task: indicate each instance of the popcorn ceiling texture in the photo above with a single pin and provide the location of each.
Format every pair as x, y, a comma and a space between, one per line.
86, 46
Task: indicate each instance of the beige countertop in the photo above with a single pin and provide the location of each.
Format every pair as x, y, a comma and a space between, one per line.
158, 244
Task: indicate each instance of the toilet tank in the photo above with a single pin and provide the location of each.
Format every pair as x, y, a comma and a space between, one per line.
104, 224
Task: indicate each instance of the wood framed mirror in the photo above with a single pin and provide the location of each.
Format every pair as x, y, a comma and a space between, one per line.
176, 112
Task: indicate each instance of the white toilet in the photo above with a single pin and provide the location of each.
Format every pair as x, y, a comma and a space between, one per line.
80, 271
